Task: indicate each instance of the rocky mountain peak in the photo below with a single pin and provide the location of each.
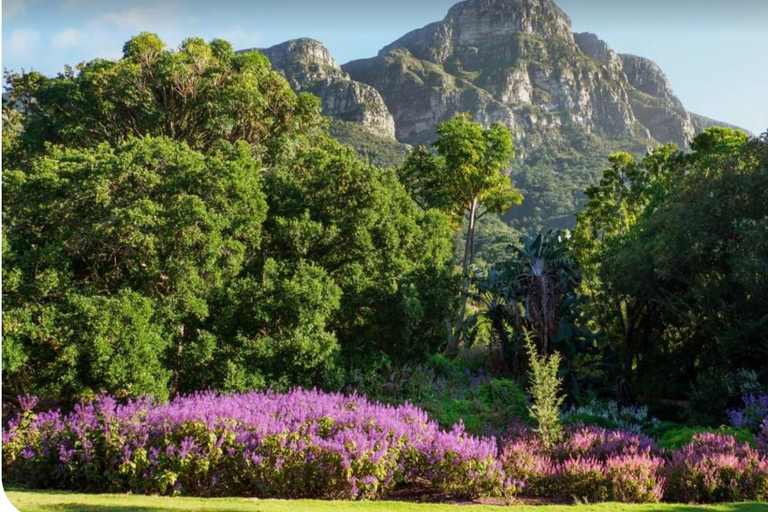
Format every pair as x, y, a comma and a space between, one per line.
304, 50
478, 22
483, 26
309, 67
303, 62
598, 50
646, 76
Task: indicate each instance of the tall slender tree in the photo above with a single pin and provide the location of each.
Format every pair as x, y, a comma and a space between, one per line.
468, 177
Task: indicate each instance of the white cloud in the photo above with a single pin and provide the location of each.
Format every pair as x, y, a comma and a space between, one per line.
13, 7
136, 18
237, 36
160, 18
21, 43
70, 38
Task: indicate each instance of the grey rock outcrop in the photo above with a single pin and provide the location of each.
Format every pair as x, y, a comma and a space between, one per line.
654, 102
309, 67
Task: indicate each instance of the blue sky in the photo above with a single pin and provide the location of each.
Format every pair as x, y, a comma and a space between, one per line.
713, 51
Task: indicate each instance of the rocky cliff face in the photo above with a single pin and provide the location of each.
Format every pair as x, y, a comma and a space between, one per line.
518, 62
309, 67
654, 103
514, 61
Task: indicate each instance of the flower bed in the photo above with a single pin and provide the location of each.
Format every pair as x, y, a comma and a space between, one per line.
309, 444
296, 445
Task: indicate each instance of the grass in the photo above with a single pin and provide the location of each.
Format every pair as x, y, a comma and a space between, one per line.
48, 501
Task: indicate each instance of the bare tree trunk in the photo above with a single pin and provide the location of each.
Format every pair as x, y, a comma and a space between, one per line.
469, 258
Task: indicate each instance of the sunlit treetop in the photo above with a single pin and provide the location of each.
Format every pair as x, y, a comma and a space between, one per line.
199, 93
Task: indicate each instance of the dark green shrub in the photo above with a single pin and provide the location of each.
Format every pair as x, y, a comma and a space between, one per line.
449, 392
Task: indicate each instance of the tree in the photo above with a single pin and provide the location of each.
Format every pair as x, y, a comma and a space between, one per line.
196, 186
468, 174
613, 207
652, 245
544, 276
146, 233
699, 258
392, 261
201, 94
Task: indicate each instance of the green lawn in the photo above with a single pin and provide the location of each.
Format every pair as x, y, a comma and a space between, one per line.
45, 501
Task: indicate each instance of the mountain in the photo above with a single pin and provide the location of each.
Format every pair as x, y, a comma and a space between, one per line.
569, 99
309, 67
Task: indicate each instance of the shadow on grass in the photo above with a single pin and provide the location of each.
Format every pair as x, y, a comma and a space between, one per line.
127, 503
84, 507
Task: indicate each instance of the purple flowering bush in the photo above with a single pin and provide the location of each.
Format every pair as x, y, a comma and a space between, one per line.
588, 463
715, 468
753, 414
762, 438
295, 445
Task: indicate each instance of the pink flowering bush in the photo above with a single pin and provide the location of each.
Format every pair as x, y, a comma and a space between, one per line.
295, 445
715, 468
588, 463
582, 478
635, 478
600, 443
526, 459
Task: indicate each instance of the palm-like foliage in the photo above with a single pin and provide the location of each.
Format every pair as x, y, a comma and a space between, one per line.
531, 292
544, 274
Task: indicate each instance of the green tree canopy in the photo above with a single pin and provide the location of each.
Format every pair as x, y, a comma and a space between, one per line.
672, 253
200, 94
149, 224
392, 261
699, 258
187, 207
